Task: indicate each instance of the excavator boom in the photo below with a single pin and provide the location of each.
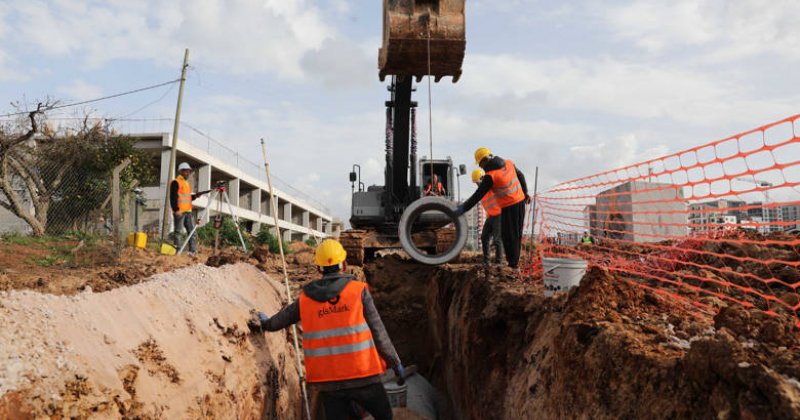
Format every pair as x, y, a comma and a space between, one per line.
414, 30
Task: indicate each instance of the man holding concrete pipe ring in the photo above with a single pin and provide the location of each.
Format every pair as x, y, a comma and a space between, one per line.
510, 191
345, 343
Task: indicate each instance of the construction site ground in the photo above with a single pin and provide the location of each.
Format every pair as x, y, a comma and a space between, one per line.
163, 337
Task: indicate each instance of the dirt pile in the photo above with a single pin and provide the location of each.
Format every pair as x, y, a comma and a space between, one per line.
173, 347
40, 267
608, 349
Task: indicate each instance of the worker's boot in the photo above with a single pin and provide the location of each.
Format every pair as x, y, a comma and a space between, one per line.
498, 254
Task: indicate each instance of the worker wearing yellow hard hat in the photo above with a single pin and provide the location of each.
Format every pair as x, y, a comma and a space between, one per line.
345, 343
510, 192
180, 200
490, 233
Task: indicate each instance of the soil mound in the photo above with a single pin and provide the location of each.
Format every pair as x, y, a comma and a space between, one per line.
173, 347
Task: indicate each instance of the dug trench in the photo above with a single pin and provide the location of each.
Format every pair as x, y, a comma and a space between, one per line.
608, 349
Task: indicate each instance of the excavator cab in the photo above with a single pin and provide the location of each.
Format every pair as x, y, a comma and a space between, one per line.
416, 30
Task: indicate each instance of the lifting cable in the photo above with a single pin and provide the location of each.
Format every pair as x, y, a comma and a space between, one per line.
430, 110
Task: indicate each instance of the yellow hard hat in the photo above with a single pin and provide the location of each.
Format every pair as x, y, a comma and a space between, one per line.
477, 174
330, 252
481, 154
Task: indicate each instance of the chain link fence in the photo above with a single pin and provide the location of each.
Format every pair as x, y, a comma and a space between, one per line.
61, 182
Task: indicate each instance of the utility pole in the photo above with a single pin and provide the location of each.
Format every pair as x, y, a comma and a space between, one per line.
173, 153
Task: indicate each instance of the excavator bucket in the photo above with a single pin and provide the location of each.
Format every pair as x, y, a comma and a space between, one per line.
414, 30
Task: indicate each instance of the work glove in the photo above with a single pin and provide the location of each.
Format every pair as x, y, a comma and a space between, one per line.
460, 210
256, 322
400, 372
527, 199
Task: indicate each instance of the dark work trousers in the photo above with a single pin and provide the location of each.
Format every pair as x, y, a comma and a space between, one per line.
372, 398
512, 219
491, 234
185, 220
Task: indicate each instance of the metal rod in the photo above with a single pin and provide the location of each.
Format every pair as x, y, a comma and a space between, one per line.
201, 217
274, 201
533, 207
174, 151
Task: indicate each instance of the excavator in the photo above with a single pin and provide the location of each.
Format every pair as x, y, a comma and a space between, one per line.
420, 38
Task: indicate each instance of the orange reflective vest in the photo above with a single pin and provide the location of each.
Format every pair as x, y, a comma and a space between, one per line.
439, 189
184, 195
489, 203
505, 185
337, 341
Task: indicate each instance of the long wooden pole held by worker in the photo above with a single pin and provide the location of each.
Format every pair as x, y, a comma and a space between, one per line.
274, 203
174, 151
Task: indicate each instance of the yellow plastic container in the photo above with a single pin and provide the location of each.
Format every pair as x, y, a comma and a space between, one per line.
137, 239
168, 249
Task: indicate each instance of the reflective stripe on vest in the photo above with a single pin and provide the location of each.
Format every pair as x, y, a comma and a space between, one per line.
506, 186
337, 341
184, 195
489, 203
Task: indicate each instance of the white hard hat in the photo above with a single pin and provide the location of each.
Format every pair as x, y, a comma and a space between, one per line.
183, 166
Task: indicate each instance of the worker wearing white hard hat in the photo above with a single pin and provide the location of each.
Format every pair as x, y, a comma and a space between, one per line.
180, 199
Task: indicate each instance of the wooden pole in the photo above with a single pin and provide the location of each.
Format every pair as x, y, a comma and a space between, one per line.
274, 202
174, 151
115, 197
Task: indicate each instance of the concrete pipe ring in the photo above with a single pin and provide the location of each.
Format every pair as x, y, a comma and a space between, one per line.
414, 211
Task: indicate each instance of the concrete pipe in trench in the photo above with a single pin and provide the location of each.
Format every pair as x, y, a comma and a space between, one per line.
436, 204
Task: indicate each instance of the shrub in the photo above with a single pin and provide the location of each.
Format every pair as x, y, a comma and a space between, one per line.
227, 234
265, 237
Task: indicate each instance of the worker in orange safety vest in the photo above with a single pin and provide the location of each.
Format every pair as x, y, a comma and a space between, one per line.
507, 183
345, 343
490, 234
180, 199
438, 191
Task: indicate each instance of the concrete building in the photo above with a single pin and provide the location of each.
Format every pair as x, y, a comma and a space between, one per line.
790, 213
299, 217
592, 221
716, 215
639, 211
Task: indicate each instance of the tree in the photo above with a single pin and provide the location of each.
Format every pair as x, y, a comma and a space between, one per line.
55, 180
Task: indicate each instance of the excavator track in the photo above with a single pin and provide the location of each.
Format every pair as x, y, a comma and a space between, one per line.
353, 243
362, 244
445, 238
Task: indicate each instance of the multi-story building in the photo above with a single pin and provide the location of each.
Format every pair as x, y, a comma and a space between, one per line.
791, 214
716, 215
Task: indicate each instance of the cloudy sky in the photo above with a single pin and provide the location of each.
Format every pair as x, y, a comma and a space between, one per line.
574, 87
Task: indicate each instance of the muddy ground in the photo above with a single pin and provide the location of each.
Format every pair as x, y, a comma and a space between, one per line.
608, 349
498, 349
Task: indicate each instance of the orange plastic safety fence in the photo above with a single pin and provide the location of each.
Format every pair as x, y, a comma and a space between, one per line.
712, 225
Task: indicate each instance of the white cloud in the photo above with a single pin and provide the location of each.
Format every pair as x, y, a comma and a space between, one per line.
81, 90
239, 37
9, 71
729, 29
629, 89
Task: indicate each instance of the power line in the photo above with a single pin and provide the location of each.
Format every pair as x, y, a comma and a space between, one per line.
89, 101
149, 104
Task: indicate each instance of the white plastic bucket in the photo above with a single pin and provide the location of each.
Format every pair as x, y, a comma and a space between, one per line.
397, 394
561, 274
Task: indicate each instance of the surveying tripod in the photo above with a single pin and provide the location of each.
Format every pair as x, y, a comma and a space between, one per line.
221, 190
